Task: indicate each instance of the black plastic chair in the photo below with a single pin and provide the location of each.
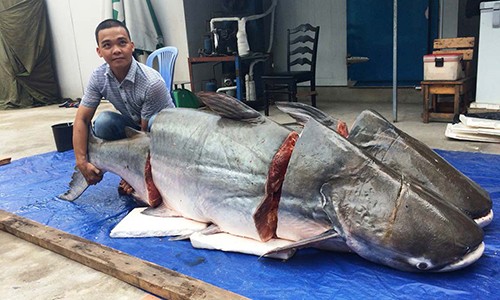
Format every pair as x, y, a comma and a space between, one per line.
302, 48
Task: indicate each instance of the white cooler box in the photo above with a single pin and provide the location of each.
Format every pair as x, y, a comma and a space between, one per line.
443, 66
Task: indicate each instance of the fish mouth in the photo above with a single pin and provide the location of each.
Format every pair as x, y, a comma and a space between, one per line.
465, 261
485, 220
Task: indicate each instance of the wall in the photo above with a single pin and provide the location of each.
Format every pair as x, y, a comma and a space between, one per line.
449, 26
331, 17
170, 14
468, 25
74, 42
198, 14
184, 23
328, 14
73, 23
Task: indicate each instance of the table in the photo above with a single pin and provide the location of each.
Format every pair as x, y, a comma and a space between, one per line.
213, 59
461, 90
230, 58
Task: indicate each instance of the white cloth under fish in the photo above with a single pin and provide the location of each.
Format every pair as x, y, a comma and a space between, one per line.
137, 224
231, 243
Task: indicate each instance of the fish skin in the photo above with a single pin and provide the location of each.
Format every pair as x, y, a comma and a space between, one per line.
373, 208
403, 153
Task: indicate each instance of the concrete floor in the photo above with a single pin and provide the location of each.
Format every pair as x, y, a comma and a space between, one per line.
31, 272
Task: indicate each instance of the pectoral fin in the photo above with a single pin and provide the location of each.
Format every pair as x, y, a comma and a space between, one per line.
309, 242
212, 229
161, 211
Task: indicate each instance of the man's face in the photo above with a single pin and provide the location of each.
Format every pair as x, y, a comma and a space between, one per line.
115, 47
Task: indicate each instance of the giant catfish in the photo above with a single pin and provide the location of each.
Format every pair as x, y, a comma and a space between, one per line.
254, 178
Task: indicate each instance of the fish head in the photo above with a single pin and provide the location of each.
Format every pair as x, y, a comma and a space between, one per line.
405, 154
415, 232
382, 215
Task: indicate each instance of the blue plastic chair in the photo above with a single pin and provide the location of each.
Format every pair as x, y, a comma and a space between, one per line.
166, 63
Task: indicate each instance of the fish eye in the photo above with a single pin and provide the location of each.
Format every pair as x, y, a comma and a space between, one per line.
421, 263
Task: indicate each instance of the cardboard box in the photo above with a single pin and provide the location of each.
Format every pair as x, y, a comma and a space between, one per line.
443, 66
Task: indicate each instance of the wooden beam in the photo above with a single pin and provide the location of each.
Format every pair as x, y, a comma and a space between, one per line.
467, 54
441, 116
464, 42
5, 161
145, 275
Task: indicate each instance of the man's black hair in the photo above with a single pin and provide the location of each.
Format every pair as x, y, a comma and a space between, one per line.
109, 23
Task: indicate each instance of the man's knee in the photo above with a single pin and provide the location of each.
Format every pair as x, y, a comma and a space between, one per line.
105, 118
108, 126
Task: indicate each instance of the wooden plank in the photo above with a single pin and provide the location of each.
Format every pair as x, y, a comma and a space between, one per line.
463, 42
5, 161
145, 275
466, 53
447, 82
442, 89
441, 116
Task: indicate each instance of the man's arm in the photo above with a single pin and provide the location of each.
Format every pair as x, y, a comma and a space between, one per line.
80, 137
157, 98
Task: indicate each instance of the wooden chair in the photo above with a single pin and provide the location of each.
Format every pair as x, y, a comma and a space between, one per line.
462, 89
302, 48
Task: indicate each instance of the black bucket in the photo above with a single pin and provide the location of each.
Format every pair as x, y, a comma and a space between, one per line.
63, 135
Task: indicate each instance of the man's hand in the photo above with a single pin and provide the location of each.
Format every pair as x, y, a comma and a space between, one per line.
92, 174
80, 136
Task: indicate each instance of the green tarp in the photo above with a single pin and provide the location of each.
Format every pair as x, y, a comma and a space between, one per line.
27, 76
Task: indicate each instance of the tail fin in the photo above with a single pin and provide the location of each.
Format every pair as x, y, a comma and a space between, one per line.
77, 186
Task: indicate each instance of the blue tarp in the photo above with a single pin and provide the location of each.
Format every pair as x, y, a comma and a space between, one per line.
29, 186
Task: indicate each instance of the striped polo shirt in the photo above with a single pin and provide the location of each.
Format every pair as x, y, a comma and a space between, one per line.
140, 95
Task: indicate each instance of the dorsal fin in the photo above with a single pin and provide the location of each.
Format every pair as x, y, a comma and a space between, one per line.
302, 113
229, 107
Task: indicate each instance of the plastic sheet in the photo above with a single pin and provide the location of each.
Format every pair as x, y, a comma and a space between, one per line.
28, 187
